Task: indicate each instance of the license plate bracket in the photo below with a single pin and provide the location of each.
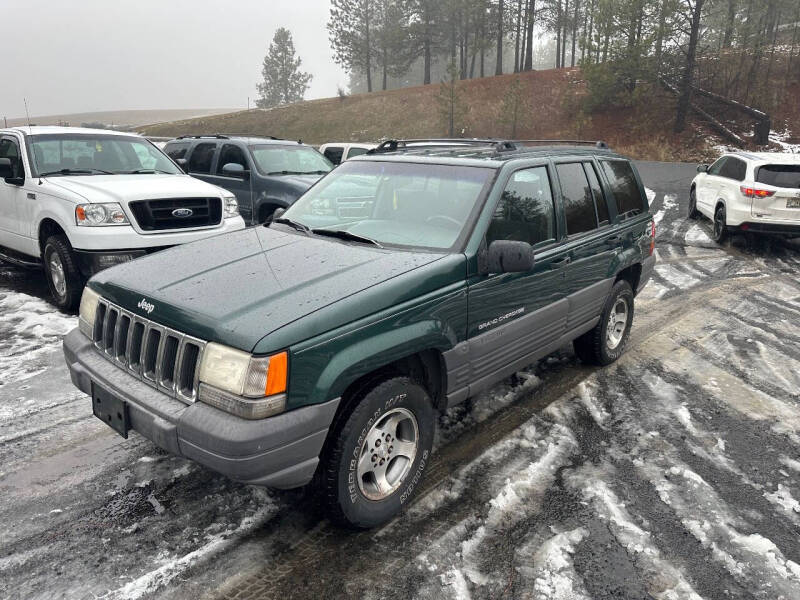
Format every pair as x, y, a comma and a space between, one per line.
110, 410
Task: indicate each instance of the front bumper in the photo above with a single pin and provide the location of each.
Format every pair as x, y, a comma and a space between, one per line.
94, 261
281, 451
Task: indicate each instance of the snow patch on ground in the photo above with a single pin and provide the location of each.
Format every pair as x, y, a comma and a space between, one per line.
696, 235
173, 567
670, 202
783, 498
553, 571
780, 137
29, 328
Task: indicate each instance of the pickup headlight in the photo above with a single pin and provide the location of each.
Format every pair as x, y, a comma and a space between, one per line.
252, 387
87, 311
230, 206
98, 215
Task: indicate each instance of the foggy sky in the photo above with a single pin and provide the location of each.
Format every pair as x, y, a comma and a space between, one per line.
70, 56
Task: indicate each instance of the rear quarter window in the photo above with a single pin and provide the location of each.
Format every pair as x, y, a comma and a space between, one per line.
785, 176
176, 150
624, 187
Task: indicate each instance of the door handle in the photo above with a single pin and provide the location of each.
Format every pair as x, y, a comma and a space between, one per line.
563, 262
614, 240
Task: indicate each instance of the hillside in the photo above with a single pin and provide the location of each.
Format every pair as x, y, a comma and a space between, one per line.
133, 118
553, 111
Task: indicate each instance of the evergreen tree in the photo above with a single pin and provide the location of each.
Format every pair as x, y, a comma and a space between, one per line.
451, 105
351, 30
284, 82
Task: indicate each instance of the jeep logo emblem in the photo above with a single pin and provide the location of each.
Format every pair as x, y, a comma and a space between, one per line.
182, 212
146, 306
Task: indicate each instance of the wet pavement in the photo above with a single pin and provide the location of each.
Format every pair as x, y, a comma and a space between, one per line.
674, 473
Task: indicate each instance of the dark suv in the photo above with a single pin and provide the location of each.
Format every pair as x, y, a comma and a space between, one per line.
265, 173
322, 346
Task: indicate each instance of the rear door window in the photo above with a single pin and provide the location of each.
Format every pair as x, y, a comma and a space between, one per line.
785, 176
334, 154
231, 153
576, 193
624, 187
200, 160
734, 169
601, 204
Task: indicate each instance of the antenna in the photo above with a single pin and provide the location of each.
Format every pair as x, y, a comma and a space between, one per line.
27, 115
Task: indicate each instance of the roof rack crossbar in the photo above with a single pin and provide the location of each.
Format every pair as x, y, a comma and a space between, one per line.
432, 143
197, 137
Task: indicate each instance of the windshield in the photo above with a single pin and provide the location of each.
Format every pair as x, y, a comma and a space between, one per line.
92, 154
785, 176
402, 204
274, 159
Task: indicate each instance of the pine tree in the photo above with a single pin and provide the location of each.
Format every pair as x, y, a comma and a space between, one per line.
515, 106
451, 105
284, 82
351, 34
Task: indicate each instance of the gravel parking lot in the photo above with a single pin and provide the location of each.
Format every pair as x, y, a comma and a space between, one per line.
673, 474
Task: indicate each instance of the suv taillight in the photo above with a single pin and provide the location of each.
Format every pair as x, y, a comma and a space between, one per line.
652, 237
749, 192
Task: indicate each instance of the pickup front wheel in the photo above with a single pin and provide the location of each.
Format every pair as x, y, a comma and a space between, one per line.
378, 454
605, 343
61, 270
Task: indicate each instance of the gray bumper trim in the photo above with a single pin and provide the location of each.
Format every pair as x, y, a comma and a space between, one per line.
280, 451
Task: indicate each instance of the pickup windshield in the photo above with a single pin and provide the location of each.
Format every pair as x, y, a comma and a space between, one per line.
397, 204
96, 154
279, 159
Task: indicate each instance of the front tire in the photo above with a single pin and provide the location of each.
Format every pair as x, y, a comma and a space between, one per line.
378, 453
606, 342
720, 231
693, 212
61, 271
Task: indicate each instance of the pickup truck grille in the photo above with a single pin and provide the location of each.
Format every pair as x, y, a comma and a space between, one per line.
162, 357
157, 215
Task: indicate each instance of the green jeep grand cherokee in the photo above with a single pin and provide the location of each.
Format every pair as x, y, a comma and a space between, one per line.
323, 346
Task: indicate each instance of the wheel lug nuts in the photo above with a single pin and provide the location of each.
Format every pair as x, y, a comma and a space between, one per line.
377, 443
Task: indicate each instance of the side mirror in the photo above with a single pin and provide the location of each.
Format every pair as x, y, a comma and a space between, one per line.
7, 172
183, 164
702, 168
277, 213
506, 256
234, 170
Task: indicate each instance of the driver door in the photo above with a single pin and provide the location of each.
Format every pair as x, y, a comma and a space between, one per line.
12, 196
514, 318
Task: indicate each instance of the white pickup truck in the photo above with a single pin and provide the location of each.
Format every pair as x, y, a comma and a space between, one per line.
79, 200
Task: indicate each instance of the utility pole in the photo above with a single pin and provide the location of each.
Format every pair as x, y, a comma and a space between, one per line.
5, 122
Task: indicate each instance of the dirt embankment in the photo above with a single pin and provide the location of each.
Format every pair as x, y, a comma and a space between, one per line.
550, 109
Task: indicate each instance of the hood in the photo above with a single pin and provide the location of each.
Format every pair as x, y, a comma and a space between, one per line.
290, 186
126, 188
240, 287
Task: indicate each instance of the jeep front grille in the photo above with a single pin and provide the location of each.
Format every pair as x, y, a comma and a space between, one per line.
162, 357
157, 215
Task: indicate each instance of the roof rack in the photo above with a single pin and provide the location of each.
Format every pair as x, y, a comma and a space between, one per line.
596, 143
498, 145
225, 136
433, 143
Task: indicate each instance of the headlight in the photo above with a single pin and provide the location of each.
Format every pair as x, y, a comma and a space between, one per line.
248, 386
231, 206
87, 311
93, 215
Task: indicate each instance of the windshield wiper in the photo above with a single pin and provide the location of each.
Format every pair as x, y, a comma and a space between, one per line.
283, 220
343, 234
146, 172
76, 172
298, 172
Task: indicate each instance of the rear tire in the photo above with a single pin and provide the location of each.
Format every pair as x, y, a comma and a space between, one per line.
720, 229
693, 212
378, 453
61, 271
605, 343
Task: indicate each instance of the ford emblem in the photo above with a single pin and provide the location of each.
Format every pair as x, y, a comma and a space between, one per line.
182, 212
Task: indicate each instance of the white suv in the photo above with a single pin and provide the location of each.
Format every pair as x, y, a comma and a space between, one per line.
80, 200
749, 191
